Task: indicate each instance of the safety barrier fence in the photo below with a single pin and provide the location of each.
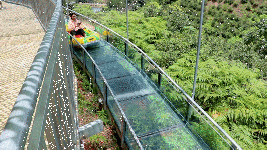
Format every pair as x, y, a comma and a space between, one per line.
200, 123
45, 112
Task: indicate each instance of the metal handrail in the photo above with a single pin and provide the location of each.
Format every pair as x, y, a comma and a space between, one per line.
105, 81
163, 72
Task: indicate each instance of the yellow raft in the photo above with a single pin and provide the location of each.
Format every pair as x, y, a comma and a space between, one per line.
91, 37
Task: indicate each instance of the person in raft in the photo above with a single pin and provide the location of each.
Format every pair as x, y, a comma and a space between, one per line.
75, 26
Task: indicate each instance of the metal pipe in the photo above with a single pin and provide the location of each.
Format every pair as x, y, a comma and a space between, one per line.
107, 38
159, 80
105, 96
127, 18
142, 62
197, 59
123, 129
126, 44
83, 55
198, 47
126, 49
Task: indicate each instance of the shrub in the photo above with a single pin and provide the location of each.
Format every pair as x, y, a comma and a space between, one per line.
219, 7
217, 79
252, 2
255, 4
194, 5
244, 1
211, 11
230, 2
225, 7
177, 21
233, 17
259, 12
235, 4
248, 8
153, 9
230, 9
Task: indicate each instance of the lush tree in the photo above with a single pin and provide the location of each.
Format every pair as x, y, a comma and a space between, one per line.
144, 32
169, 49
84, 9
256, 38
120, 5
235, 92
152, 9
220, 84
163, 2
177, 20
116, 4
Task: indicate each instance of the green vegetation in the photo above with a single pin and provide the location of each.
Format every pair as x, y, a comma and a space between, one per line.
232, 74
89, 110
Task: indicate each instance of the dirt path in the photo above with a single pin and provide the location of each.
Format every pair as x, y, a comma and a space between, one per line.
20, 37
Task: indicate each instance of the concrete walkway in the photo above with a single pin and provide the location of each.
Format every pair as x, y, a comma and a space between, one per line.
20, 37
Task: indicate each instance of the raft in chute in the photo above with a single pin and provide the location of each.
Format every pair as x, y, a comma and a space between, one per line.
91, 37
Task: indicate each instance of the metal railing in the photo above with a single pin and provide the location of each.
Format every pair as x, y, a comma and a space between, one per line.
89, 63
200, 123
47, 95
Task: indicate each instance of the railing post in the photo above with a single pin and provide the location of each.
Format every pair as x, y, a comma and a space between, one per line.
159, 79
107, 37
126, 49
189, 112
123, 130
94, 72
71, 45
197, 60
105, 96
142, 62
83, 58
